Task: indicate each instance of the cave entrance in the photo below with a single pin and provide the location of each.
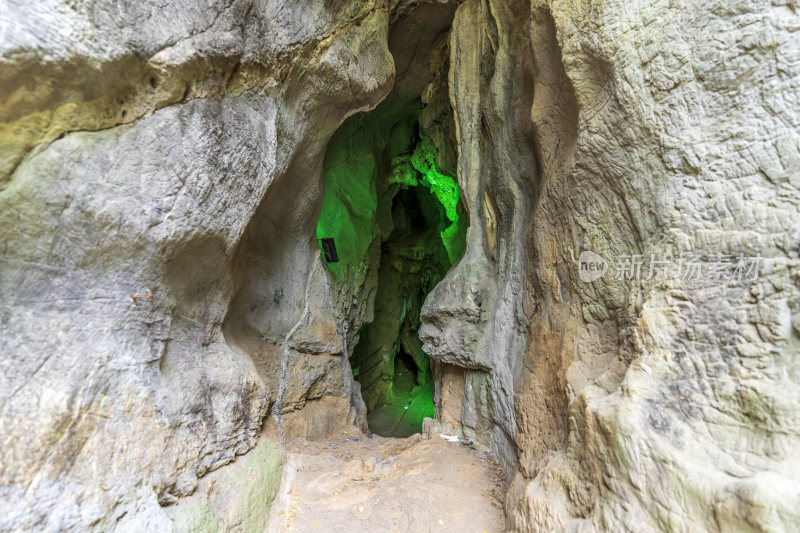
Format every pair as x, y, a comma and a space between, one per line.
392, 207
395, 374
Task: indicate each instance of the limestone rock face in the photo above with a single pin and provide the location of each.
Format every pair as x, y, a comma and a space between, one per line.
162, 294
658, 133
171, 190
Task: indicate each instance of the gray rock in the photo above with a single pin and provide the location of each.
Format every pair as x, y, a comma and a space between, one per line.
628, 404
114, 404
162, 293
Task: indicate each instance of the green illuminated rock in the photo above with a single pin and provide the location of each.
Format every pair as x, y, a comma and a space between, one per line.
398, 226
370, 158
356, 183
443, 187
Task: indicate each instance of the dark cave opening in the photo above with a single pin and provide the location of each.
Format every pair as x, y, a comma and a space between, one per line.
388, 361
404, 365
399, 227
392, 206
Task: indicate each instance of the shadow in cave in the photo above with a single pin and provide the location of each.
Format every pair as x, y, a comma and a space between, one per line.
401, 414
392, 208
396, 378
400, 211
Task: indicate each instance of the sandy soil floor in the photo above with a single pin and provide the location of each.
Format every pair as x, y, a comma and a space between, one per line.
382, 484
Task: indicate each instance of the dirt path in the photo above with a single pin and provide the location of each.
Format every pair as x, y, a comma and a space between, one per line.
385, 485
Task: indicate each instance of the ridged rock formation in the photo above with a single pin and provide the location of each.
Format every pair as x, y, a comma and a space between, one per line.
651, 132
206, 200
167, 320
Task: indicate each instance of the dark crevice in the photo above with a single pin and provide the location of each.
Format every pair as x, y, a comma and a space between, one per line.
392, 207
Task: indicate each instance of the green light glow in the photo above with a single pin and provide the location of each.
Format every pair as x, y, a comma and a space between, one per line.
354, 210
454, 239
351, 210
390, 210
443, 187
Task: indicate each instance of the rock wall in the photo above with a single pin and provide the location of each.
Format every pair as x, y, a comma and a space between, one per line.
162, 293
169, 151
635, 402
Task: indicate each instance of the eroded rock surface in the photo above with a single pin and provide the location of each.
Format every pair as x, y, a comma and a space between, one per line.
162, 293
628, 129
111, 404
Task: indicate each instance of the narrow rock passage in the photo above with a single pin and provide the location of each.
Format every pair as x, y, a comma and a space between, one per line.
401, 415
382, 484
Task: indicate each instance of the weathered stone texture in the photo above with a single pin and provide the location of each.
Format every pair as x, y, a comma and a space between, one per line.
177, 148
630, 128
113, 405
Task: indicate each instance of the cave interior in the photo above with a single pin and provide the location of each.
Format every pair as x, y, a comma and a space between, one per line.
392, 208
